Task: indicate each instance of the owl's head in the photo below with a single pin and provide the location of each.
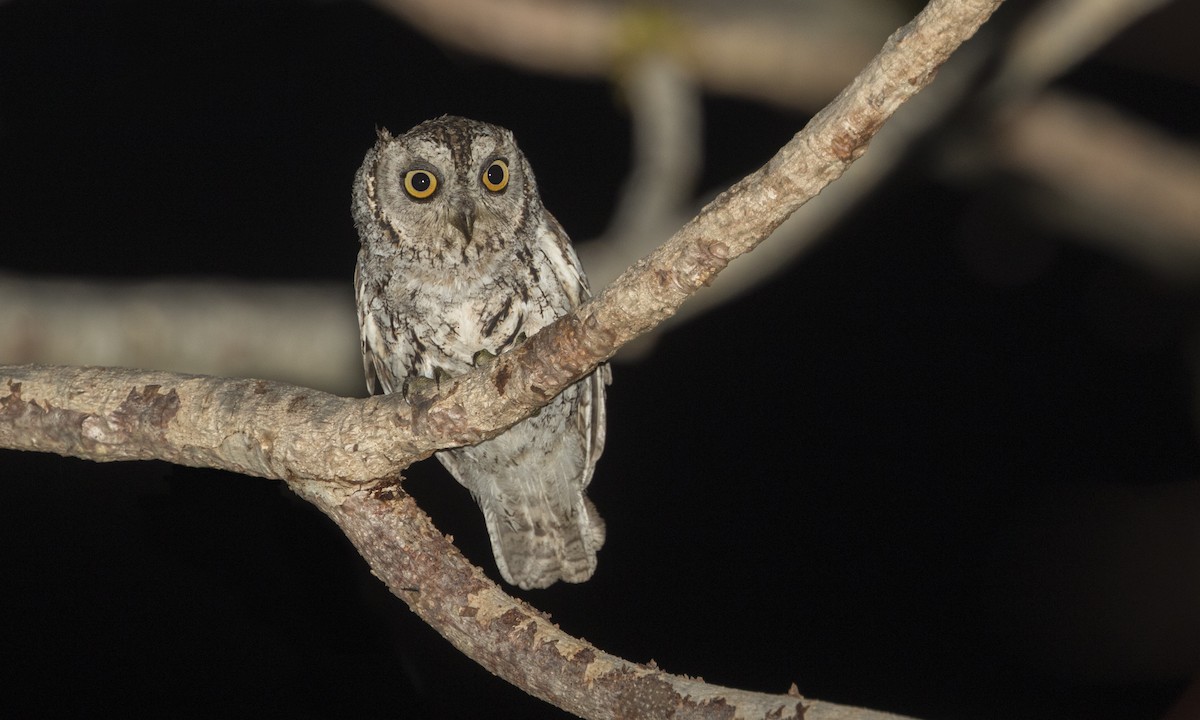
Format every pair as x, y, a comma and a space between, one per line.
450, 191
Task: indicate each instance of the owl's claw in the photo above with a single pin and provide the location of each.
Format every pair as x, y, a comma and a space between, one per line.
483, 357
422, 390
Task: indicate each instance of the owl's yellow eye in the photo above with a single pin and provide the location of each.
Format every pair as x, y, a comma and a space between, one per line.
495, 177
420, 183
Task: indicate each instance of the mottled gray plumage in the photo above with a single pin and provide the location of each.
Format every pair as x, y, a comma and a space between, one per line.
458, 255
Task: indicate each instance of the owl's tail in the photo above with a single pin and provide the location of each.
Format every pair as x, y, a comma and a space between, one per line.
536, 546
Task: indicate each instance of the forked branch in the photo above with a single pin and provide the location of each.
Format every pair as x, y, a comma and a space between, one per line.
344, 454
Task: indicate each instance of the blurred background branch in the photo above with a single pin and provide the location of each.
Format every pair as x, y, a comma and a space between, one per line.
303, 333
796, 54
1137, 198
1133, 198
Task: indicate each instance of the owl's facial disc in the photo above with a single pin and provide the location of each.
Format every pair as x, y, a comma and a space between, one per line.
462, 215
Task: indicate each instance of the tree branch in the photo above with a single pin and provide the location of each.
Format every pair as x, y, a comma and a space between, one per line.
1136, 196
1057, 35
794, 54
515, 641
302, 333
339, 453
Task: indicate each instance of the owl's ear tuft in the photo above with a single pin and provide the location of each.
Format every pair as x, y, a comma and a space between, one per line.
383, 134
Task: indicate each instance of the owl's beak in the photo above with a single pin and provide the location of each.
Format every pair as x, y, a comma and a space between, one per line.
462, 216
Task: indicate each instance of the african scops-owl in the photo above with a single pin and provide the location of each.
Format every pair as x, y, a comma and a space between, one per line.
459, 256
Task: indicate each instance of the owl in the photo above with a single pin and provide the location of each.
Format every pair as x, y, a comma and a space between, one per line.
459, 256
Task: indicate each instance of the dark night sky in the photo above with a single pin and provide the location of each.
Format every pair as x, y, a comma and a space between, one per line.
814, 484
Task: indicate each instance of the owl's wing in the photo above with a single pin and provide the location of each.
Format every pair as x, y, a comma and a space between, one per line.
569, 272
592, 402
378, 342
556, 246
364, 318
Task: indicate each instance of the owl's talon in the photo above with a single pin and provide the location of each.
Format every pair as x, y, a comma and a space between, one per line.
483, 357
420, 390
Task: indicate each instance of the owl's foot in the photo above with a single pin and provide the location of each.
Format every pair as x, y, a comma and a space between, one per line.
483, 357
422, 390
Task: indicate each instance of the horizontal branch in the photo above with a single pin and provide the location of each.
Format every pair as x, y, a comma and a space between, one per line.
794, 54
302, 333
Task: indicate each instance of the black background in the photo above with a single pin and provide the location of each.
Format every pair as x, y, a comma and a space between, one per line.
808, 485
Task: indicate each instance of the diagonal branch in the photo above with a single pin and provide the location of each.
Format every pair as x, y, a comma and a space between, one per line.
283, 432
338, 452
513, 640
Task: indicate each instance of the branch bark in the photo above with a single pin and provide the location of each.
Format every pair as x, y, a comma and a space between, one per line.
345, 455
